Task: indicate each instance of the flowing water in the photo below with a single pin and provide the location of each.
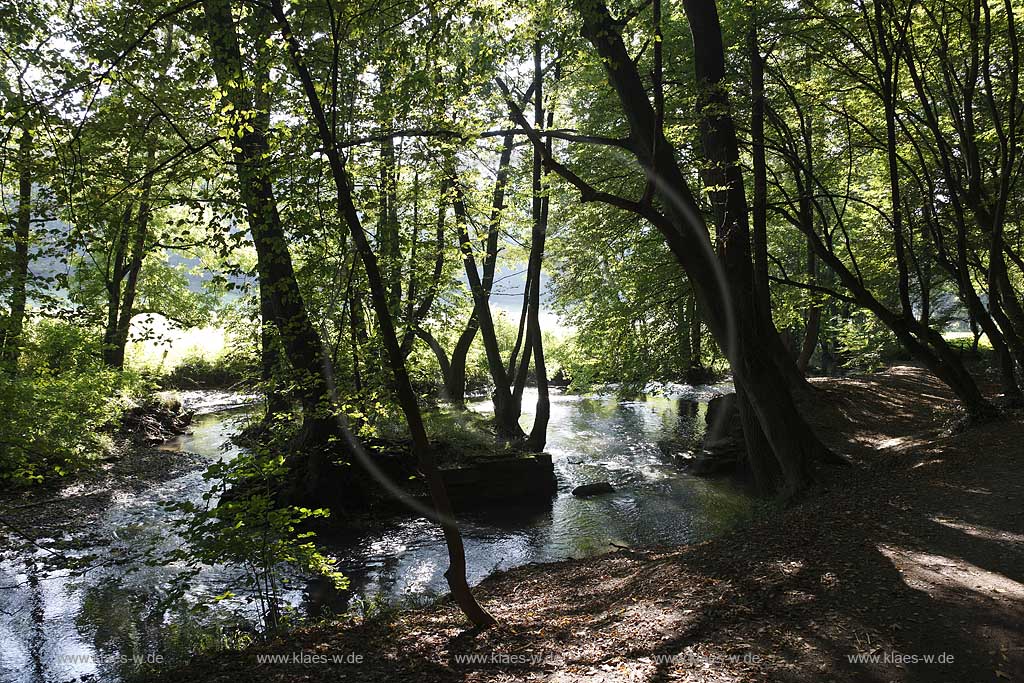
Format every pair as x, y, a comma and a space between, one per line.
96, 626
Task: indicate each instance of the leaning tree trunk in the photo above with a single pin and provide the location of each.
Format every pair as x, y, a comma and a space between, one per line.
791, 442
457, 384
456, 573
506, 410
312, 463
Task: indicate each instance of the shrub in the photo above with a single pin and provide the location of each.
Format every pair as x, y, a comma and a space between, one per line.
865, 343
198, 371
248, 529
62, 406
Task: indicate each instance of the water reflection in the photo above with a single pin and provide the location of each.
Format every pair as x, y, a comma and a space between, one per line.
56, 626
590, 439
92, 627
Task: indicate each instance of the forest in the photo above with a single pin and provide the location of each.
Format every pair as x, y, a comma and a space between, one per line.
598, 340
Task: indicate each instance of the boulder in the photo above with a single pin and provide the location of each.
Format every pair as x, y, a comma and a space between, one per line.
699, 375
155, 420
515, 479
595, 489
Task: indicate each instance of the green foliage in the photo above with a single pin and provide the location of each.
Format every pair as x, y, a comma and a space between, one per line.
163, 289
196, 370
457, 434
374, 609
249, 530
965, 342
965, 346
61, 409
618, 285
583, 367
56, 347
460, 433
865, 343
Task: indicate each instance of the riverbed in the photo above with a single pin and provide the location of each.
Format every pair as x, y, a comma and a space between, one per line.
57, 625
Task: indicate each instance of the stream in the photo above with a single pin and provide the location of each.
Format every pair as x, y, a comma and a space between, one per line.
57, 626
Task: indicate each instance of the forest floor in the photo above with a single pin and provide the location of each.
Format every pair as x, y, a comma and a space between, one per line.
908, 566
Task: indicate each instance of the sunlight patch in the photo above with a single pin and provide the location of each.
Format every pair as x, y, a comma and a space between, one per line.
927, 572
980, 531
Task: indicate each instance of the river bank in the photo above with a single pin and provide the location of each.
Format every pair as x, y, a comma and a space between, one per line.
915, 553
87, 597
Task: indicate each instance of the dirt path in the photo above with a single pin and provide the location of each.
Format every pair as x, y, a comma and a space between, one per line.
916, 552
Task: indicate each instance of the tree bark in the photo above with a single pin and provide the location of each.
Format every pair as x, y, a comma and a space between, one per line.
114, 351
759, 205
416, 313
812, 323
540, 206
114, 277
311, 459
473, 325
755, 351
696, 334
759, 235
506, 411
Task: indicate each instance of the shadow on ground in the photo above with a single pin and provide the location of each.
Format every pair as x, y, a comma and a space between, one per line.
915, 553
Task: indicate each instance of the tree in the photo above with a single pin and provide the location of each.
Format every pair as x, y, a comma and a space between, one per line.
766, 407
456, 573
247, 118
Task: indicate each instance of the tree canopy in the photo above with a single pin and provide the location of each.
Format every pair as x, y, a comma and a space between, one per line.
757, 189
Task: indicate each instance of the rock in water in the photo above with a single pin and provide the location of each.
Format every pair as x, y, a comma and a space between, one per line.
594, 489
724, 430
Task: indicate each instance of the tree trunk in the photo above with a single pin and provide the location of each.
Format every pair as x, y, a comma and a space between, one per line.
387, 218
116, 349
270, 360
113, 281
457, 371
759, 205
312, 460
812, 322
416, 313
456, 573
459, 353
696, 335
540, 206
357, 329
759, 235
513, 357
442, 357
506, 411
730, 287
759, 352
